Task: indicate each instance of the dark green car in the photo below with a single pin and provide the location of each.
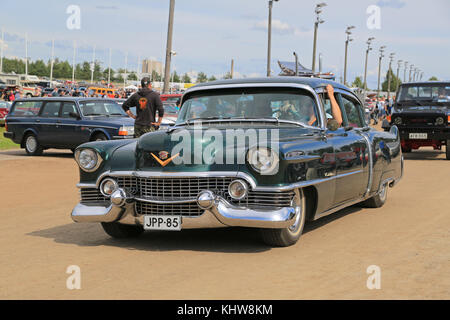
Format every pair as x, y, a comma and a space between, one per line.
265, 153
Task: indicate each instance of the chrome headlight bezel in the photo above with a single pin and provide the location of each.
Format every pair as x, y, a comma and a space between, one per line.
440, 121
398, 120
243, 184
114, 183
254, 156
95, 156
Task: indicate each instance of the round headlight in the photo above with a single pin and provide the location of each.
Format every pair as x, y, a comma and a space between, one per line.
238, 189
108, 186
398, 120
440, 121
263, 160
88, 159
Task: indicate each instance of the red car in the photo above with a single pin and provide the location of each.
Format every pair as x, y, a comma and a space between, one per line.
5, 106
175, 98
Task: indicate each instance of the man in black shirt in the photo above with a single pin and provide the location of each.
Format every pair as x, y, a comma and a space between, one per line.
146, 102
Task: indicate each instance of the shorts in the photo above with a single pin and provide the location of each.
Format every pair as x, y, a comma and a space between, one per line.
140, 130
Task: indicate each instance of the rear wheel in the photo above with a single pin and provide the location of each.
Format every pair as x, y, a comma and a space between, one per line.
288, 236
447, 150
378, 200
121, 231
32, 146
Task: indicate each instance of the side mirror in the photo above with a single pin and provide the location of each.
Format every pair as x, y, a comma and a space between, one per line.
332, 125
74, 115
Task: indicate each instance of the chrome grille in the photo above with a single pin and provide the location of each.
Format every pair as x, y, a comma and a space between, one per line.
167, 189
174, 209
92, 196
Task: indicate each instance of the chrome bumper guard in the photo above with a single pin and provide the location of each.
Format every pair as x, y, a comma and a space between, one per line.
218, 213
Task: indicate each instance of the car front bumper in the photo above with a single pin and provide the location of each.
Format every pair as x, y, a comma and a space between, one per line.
219, 214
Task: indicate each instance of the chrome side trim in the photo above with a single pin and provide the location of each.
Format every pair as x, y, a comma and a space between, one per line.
369, 146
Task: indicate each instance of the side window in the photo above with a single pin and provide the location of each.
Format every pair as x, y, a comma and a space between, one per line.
352, 112
67, 108
51, 109
26, 108
327, 104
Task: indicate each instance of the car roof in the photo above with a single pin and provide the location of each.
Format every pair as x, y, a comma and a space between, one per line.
71, 99
425, 83
314, 83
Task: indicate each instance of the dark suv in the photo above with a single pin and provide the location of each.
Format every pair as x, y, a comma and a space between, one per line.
422, 114
65, 123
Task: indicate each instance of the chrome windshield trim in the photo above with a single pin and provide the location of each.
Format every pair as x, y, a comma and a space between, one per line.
321, 113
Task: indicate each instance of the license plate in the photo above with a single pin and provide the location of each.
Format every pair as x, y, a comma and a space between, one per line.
418, 136
167, 223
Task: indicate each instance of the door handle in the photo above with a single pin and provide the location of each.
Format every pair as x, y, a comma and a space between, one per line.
38, 120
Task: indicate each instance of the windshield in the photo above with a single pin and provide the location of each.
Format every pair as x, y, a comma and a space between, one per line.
101, 108
297, 106
425, 92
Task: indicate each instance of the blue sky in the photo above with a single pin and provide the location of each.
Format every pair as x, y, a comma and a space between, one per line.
209, 33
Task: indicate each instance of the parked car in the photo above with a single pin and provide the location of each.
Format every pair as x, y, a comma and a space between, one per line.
5, 106
65, 123
175, 98
282, 161
422, 114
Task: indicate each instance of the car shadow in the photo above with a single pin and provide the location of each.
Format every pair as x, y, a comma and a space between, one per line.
223, 240
424, 155
47, 153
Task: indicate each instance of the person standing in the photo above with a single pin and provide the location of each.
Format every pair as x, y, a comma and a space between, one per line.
147, 102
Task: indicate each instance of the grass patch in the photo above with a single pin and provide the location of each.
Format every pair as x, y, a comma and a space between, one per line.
6, 143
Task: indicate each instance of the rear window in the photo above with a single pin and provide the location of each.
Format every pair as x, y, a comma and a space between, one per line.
26, 108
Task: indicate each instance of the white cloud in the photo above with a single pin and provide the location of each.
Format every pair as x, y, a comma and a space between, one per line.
278, 27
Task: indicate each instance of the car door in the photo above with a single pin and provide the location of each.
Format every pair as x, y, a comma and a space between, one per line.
352, 151
48, 123
69, 127
349, 147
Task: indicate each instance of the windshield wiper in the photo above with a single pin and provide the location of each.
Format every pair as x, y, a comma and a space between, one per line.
117, 114
95, 114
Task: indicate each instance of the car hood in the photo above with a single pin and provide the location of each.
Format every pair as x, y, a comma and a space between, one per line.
116, 121
184, 145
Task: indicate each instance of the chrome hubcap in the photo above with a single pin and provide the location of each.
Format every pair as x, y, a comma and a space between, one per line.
299, 216
31, 144
383, 192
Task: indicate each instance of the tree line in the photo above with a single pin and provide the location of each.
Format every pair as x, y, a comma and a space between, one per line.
63, 70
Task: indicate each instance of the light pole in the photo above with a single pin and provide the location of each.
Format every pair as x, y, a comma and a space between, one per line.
404, 73
52, 63
348, 32
169, 47
126, 67
391, 58
296, 64
379, 69
369, 41
109, 69
73, 61
26, 54
398, 70
269, 36
410, 70
93, 65
318, 21
1, 53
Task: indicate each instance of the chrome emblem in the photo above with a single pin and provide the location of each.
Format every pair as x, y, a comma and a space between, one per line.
163, 155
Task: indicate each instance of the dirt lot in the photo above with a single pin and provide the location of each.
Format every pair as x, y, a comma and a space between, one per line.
409, 239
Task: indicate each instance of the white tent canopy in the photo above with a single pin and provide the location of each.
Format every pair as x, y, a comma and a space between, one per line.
131, 87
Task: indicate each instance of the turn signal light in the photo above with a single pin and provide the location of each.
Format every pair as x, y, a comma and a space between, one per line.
123, 133
448, 120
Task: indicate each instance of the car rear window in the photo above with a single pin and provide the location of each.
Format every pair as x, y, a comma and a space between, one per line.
26, 108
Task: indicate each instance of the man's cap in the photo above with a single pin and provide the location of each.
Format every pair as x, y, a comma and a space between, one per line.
145, 82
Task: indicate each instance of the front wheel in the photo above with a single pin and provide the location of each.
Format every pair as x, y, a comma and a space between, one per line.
288, 236
121, 231
32, 146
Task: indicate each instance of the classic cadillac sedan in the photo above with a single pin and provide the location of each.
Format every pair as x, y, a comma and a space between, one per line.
264, 153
